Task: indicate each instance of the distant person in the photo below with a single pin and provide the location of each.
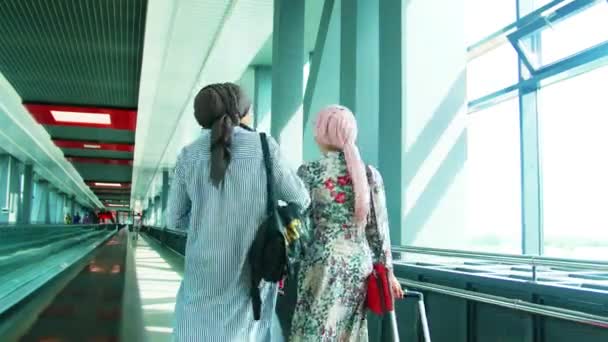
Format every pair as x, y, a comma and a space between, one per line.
86, 219
350, 232
94, 218
219, 195
137, 220
68, 218
77, 218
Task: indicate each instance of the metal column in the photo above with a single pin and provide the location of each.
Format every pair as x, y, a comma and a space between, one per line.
323, 86
392, 120
531, 196
164, 197
25, 216
10, 188
41, 213
287, 77
157, 211
151, 212
52, 204
262, 97
359, 64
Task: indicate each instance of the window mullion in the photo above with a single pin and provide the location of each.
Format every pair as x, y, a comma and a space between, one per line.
532, 230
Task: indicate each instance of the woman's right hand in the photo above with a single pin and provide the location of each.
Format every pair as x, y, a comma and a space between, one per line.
396, 289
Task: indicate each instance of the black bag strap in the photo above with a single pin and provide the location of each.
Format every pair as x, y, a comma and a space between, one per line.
256, 299
268, 165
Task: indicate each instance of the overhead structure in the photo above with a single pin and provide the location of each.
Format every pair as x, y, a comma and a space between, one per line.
75, 65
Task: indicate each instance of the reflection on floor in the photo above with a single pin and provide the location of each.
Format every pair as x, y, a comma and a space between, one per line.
159, 274
92, 299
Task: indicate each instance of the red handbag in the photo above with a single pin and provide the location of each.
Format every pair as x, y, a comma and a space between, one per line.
379, 296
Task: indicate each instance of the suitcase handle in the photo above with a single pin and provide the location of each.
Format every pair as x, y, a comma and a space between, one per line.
421, 307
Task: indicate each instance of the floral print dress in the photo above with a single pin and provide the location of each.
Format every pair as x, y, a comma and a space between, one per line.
332, 281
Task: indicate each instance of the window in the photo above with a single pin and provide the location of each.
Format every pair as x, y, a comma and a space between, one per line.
494, 181
500, 63
565, 32
540, 3
484, 17
573, 141
574, 34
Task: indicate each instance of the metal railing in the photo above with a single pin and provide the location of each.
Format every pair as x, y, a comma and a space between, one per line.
172, 239
27, 269
514, 304
533, 261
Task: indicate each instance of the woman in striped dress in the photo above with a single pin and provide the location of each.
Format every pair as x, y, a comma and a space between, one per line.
219, 195
348, 235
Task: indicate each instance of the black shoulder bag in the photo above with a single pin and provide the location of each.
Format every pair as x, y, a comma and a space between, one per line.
268, 254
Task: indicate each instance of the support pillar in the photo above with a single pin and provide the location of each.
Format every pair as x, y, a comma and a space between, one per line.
41, 213
25, 217
323, 85
151, 212
164, 197
287, 119
52, 204
392, 121
158, 211
72, 206
10, 188
432, 119
287, 77
359, 64
532, 221
262, 97
63, 199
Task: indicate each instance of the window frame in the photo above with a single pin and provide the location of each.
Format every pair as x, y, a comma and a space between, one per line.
530, 80
542, 20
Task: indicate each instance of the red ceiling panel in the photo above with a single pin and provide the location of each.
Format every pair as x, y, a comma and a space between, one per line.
124, 119
100, 161
76, 144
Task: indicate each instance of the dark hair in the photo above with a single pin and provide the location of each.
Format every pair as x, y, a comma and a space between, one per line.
220, 107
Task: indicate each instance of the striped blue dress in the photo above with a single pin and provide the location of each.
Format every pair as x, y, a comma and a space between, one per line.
213, 302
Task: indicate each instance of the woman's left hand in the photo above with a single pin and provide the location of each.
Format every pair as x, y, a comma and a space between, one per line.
395, 287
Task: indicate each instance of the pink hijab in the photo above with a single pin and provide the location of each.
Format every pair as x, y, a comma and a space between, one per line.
336, 127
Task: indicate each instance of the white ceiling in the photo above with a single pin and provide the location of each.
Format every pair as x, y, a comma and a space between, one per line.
188, 44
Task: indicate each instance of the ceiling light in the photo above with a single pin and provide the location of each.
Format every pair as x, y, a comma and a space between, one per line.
117, 205
79, 117
92, 146
112, 185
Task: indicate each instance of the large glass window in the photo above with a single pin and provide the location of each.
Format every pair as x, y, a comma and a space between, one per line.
500, 63
494, 182
573, 139
564, 37
484, 17
574, 34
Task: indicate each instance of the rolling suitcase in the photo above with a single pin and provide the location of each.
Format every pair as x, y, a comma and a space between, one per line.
394, 331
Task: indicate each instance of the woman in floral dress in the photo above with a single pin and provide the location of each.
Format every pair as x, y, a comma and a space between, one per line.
347, 236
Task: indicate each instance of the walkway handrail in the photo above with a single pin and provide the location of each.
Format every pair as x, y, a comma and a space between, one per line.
507, 258
170, 230
515, 304
55, 225
53, 260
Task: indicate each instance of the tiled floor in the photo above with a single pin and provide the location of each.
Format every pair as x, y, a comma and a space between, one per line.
159, 273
